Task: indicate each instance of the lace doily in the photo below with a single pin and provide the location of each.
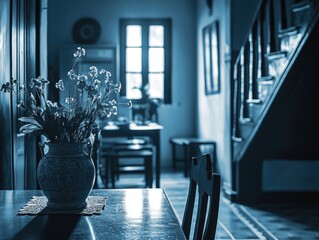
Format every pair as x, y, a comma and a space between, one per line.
37, 205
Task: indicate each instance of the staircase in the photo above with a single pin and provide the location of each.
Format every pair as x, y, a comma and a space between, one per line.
266, 72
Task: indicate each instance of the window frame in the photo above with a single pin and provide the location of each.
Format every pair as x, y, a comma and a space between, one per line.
145, 23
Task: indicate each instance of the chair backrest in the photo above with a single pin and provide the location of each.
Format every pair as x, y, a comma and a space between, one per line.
208, 185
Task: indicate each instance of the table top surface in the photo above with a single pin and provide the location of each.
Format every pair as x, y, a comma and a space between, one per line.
133, 126
128, 214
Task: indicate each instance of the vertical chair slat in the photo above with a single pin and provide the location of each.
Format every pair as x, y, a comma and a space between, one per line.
213, 208
201, 216
208, 185
189, 208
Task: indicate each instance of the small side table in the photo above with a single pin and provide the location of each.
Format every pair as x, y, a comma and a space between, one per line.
190, 148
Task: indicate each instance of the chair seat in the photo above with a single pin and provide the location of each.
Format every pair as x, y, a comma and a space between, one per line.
190, 140
130, 169
130, 141
136, 142
131, 154
131, 148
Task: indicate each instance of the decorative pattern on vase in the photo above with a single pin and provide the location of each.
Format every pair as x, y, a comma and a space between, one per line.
66, 175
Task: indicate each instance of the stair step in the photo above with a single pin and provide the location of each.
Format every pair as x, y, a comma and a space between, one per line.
254, 101
265, 85
276, 55
291, 31
302, 13
277, 63
246, 130
301, 6
266, 80
237, 139
255, 110
290, 39
245, 120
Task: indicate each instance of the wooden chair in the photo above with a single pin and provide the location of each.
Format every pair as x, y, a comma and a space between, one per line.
190, 147
130, 152
208, 185
111, 157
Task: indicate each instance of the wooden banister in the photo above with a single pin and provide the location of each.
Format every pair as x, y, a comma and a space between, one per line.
262, 55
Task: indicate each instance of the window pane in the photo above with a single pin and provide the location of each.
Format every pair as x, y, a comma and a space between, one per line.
133, 59
156, 60
133, 85
133, 36
156, 37
156, 85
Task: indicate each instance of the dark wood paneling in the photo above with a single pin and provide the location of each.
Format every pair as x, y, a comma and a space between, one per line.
17, 72
6, 149
32, 61
19, 59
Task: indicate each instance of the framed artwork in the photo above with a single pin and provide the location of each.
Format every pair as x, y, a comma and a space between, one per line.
211, 58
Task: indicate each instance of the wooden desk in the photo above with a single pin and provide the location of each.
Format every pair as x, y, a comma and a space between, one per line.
128, 214
152, 131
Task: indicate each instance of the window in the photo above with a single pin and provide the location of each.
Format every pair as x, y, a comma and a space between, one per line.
145, 59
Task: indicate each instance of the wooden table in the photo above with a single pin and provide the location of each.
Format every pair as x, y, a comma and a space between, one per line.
128, 214
151, 130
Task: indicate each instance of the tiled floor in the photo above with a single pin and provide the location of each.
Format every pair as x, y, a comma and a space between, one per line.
235, 221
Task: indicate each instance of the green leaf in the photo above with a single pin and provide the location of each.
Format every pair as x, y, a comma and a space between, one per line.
91, 139
30, 120
28, 128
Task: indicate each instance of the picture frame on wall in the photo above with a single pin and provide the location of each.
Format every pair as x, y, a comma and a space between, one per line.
211, 58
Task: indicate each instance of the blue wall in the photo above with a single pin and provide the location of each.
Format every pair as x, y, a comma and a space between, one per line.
214, 112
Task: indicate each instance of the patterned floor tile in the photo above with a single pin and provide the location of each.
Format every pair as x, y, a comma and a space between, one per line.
235, 221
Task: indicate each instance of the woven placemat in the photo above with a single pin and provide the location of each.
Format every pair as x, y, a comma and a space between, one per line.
37, 206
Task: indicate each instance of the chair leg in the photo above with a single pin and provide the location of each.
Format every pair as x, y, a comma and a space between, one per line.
186, 160
107, 173
117, 162
113, 169
150, 172
146, 171
174, 156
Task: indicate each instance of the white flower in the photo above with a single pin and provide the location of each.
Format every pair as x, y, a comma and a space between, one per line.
60, 85
74, 119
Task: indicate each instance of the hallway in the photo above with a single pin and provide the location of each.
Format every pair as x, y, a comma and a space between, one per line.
236, 221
